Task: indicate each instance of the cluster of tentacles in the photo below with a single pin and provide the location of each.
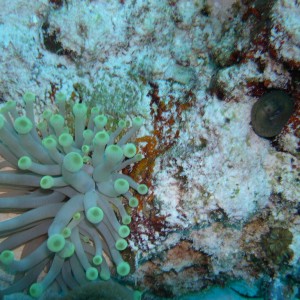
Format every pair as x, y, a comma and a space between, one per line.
64, 180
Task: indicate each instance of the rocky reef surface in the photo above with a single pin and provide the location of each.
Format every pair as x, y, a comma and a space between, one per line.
223, 203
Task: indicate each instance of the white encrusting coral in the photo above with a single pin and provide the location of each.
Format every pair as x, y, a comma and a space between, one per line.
227, 172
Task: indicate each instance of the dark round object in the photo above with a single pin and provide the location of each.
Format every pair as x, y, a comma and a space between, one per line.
271, 112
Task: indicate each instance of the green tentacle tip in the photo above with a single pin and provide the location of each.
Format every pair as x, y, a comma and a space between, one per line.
57, 120
101, 138
126, 219
133, 202
66, 232
49, 142
86, 159
46, 182
100, 121
91, 273
88, 134
9, 105
137, 295
79, 109
114, 153
77, 216
68, 250
137, 122
23, 125
129, 150
121, 244
139, 157
124, 231
94, 214
123, 268
56, 242
28, 97
47, 114
121, 186
95, 110
7, 257
97, 260
65, 139
36, 290
24, 162
73, 162
122, 124
142, 189
85, 149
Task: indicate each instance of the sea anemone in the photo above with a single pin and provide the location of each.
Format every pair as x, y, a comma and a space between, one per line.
64, 178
